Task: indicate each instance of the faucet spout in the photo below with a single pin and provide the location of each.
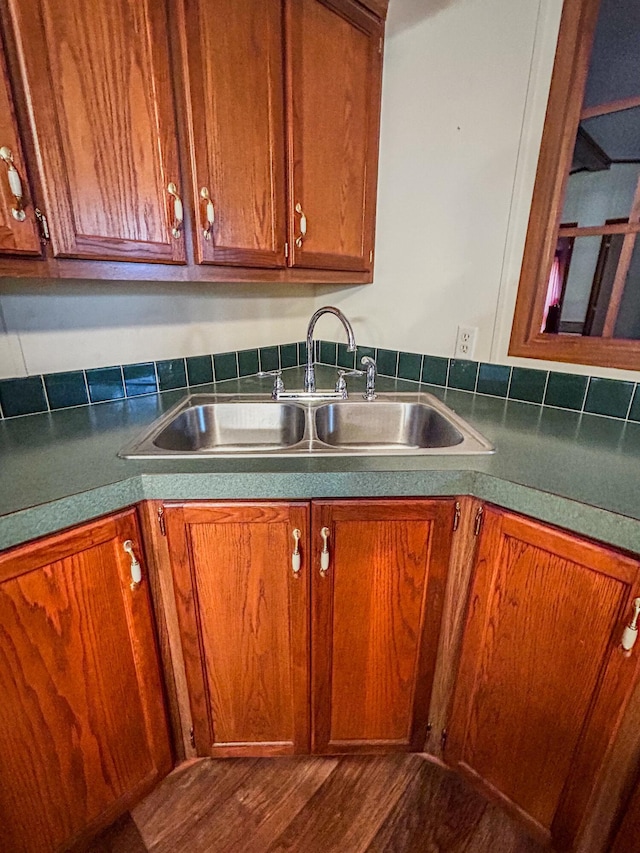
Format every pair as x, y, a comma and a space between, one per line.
310, 373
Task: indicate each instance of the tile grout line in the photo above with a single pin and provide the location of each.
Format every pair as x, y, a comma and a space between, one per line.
634, 391
46, 395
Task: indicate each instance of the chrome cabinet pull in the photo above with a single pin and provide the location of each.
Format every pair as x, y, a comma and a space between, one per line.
295, 557
209, 214
178, 211
136, 570
630, 633
303, 226
15, 184
324, 554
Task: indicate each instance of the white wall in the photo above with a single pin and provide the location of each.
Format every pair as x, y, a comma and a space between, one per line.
464, 97
56, 326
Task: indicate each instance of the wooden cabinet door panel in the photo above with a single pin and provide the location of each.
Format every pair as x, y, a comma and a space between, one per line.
82, 726
542, 682
235, 79
97, 80
244, 621
17, 237
334, 51
376, 621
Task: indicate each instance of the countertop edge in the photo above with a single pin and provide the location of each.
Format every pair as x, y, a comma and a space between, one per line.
46, 518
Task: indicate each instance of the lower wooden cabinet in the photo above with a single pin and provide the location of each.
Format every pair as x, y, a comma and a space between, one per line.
244, 624
543, 682
83, 732
244, 611
376, 621
315, 626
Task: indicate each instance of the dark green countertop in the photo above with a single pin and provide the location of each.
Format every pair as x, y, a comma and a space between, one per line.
578, 471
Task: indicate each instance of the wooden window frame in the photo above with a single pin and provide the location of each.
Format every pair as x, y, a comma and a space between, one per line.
564, 112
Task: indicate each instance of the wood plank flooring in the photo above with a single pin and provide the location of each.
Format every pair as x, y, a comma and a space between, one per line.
351, 804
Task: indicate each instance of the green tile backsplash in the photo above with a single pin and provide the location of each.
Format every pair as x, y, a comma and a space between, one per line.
527, 385
34, 394
566, 391
66, 389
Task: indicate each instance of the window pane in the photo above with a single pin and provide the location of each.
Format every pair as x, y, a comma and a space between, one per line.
594, 197
579, 281
587, 296
627, 324
617, 134
613, 71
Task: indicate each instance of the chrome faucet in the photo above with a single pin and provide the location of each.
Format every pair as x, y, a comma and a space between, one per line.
310, 372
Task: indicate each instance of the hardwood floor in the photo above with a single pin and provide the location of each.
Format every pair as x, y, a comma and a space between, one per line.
352, 804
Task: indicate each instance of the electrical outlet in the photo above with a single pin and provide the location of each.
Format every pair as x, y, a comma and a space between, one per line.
466, 342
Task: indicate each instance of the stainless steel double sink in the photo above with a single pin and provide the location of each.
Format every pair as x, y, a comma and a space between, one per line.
214, 425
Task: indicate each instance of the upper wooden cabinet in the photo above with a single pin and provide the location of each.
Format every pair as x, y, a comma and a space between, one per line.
18, 231
334, 53
261, 117
83, 732
543, 681
235, 82
98, 88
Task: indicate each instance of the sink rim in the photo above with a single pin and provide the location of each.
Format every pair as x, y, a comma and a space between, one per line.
142, 446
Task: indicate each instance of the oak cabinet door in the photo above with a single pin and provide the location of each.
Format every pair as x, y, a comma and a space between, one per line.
83, 732
334, 55
234, 74
18, 229
243, 615
376, 620
98, 87
543, 682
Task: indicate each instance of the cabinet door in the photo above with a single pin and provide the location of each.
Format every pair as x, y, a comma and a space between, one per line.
243, 615
234, 71
97, 80
334, 55
83, 733
543, 681
18, 230
376, 621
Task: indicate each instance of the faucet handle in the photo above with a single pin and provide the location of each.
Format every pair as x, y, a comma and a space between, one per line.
341, 385
278, 384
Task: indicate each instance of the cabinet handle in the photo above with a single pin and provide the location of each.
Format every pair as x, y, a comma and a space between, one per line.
295, 557
15, 184
324, 554
136, 571
630, 633
209, 214
178, 211
303, 226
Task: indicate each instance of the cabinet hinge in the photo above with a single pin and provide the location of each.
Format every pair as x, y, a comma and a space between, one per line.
380, 45
443, 738
286, 250
43, 225
429, 730
371, 256
456, 517
478, 526
161, 521
192, 737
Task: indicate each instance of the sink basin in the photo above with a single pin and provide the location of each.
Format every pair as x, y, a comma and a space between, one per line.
236, 427
385, 425
255, 425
